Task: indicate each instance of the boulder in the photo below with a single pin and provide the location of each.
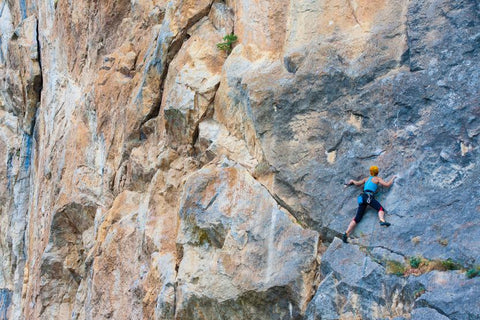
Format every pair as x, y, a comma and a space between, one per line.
242, 256
355, 285
450, 294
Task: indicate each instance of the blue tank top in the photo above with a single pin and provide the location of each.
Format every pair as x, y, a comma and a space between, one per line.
370, 186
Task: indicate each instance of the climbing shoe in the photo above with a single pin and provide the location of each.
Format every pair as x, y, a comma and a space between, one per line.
345, 238
385, 223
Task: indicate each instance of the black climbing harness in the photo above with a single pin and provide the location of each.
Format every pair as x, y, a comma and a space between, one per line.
365, 197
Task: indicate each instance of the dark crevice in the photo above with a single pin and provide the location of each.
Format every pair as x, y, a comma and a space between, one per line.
405, 58
318, 277
196, 134
39, 56
37, 86
371, 156
302, 218
179, 258
290, 210
211, 201
37, 81
357, 114
426, 304
335, 147
207, 115
10, 172
388, 249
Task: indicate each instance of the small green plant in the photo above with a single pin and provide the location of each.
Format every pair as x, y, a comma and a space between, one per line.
415, 262
443, 265
226, 46
473, 272
449, 264
417, 293
395, 267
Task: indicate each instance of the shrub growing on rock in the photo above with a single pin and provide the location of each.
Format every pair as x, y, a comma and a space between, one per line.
226, 46
415, 262
473, 272
395, 267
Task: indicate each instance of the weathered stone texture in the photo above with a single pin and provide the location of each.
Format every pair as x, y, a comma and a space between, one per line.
356, 286
146, 174
237, 247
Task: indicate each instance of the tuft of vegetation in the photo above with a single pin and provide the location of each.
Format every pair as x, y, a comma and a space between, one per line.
229, 40
473, 272
449, 264
395, 267
261, 169
415, 262
419, 265
441, 265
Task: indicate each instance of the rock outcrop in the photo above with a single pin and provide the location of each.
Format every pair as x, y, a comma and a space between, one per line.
239, 248
147, 174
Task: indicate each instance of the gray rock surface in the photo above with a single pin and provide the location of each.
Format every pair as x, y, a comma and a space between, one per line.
450, 294
415, 116
427, 314
354, 285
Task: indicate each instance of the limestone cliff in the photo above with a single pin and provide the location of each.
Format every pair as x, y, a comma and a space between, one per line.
147, 174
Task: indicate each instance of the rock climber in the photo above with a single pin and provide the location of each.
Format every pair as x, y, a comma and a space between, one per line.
368, 198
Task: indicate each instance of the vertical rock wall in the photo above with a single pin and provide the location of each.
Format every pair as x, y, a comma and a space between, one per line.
146, 174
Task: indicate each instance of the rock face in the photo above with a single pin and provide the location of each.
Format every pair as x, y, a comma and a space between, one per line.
237, 248
146, 174
357, 286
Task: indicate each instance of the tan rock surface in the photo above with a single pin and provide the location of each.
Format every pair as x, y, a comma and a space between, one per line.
191, 83
237, 243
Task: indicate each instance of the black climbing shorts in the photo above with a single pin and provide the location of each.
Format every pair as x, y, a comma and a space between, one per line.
362, 206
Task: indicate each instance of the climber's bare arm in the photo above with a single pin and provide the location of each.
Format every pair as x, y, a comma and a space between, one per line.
386, 184
357, 183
